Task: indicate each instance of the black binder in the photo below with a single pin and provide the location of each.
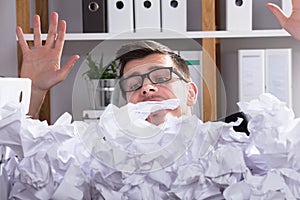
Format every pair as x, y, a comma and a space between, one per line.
94, 14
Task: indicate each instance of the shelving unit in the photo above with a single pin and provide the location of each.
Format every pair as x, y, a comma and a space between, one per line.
208, 37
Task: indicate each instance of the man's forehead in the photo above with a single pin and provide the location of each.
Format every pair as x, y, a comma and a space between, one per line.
145, 68
148, 63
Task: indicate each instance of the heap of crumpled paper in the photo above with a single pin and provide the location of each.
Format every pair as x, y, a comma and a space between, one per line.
124, 157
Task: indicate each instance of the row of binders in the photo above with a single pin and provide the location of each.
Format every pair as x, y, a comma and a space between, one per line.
117, 16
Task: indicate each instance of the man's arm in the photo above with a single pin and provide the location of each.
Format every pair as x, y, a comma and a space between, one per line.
42, 63
290, 23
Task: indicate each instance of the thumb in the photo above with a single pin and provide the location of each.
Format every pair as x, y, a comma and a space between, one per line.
68, 66
278, 13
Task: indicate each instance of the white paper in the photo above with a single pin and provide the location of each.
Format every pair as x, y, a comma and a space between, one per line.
251, 74
279, 74
203, 161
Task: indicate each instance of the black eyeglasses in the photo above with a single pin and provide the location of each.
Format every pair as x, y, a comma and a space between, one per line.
156, 76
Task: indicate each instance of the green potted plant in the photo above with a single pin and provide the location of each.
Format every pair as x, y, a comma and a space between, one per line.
101, 80
100, 71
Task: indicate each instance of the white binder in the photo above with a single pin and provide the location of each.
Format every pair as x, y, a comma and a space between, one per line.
239, 15
251, 74
194, 61
147, 15
279, 74
287, 7
120, 16
17, 90
174, 15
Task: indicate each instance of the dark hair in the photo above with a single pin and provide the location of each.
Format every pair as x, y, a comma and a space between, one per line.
141, 49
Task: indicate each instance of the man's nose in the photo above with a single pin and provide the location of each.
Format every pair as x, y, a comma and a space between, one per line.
148, 87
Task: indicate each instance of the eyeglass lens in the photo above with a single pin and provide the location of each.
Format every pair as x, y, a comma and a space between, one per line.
134, 82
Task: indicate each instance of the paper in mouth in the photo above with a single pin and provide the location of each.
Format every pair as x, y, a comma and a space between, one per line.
142, 110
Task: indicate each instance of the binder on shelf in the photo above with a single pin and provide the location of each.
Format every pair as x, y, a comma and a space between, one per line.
279, 74
120, 16
174, 9
94, 16
147, 15
194, 61
239, 15
251, 73
287, 7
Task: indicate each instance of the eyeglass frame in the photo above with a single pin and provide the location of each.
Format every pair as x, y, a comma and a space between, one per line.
171, 69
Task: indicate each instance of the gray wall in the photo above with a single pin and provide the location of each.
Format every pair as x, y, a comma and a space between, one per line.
8, 44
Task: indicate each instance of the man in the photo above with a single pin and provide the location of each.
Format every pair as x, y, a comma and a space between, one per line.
150, 71
42, 63
290, 23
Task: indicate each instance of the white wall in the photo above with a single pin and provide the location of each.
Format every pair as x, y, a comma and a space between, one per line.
8, 44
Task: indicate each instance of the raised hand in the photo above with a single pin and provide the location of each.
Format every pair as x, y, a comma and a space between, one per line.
42, 62
290, 23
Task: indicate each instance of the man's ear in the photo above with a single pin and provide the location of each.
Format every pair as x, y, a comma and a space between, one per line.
192, 93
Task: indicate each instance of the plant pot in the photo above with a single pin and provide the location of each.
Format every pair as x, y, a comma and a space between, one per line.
106, 89
100, 92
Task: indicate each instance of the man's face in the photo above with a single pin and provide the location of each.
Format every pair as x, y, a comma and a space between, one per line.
155, 92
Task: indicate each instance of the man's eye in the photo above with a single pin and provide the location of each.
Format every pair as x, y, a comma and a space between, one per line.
161, 79
132, 83
134, 86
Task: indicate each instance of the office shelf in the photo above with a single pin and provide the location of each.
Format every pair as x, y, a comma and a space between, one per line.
171, 35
